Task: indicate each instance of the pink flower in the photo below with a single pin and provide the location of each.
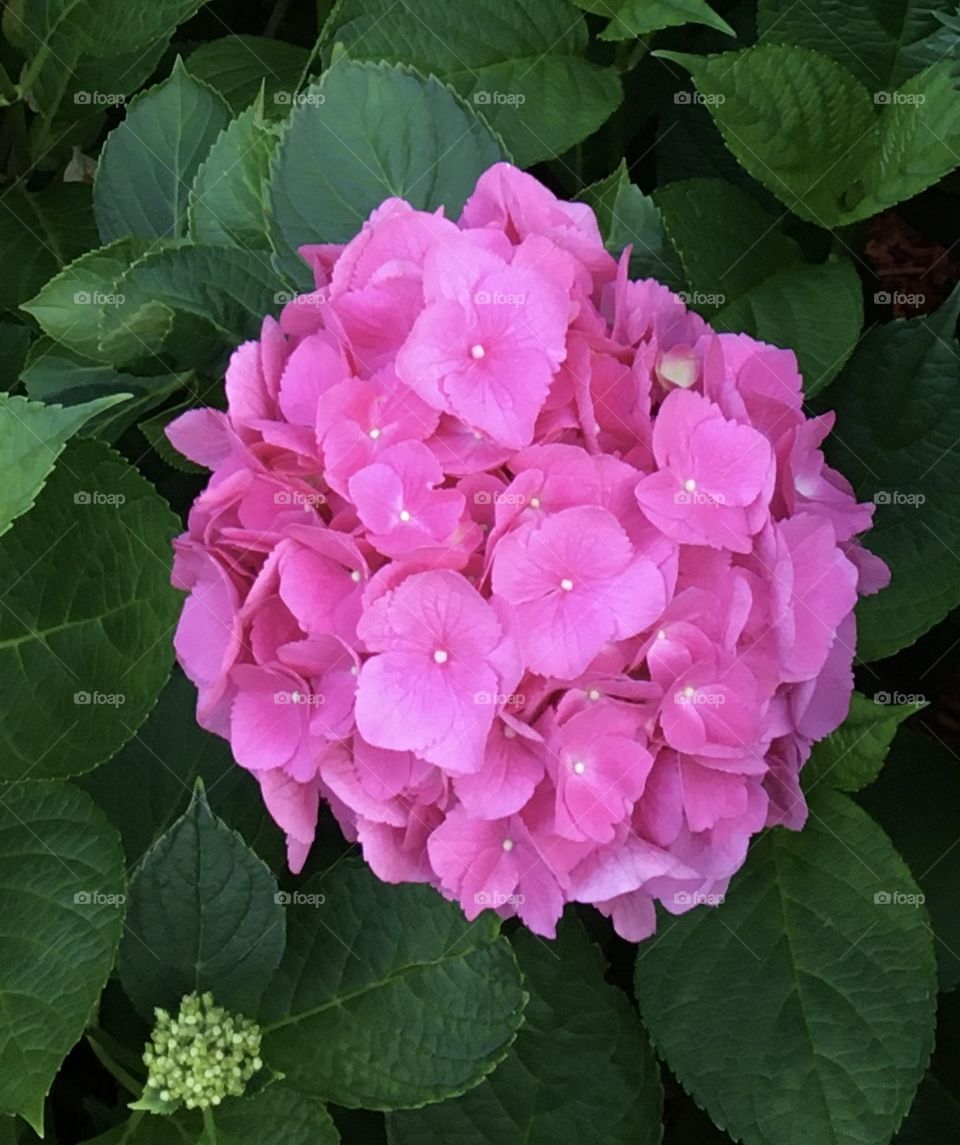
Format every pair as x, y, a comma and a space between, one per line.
542, 586
579, 584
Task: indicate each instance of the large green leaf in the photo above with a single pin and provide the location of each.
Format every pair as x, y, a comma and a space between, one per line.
84, 643
227, 199
148, 783
32, 437
69, 307
630, 18
204, 914
580, 1071
852, 756
626, 216
40, 232
362, 133
749, 277
811, 132
898, 422
915, 800
386, 998
148, 163
237, 65
522, 64
802, 1008
883, 42
187, 307
61, 910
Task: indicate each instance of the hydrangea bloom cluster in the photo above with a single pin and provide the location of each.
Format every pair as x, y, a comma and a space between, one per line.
202, 1055
539, 582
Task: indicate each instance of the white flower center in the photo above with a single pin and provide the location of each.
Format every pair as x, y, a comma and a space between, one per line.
477, 352
579, 767
441, 656
510, 733
355, 576
508, 844
534, 502
374, 433
690, 485
404, 515
593, 694
689, 691
566, 584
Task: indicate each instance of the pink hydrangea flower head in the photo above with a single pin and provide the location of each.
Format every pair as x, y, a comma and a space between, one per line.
539, 583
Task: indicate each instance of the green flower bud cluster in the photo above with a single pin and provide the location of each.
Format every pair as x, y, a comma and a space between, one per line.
202, 1055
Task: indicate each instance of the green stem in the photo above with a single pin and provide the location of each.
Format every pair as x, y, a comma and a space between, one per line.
8, 89
131, 1084
209, 1126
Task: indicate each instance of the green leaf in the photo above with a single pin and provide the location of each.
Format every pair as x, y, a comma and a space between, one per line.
362, 133
148, 783
14, 346
204, 914
84, 643
227, 199
934, 1115
69, 307
816, 311
61, 906
852, 756
919, 139
883, 42
187, 307
631, 18
802, 1008
237, 65
727, 242
40, 232
521, 64
898, 422
799, 123
54, 373
580, 1071
915, 801
386, 998
278, 1115
809, 131
148, 163
749, 277
32, 437
626, 216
